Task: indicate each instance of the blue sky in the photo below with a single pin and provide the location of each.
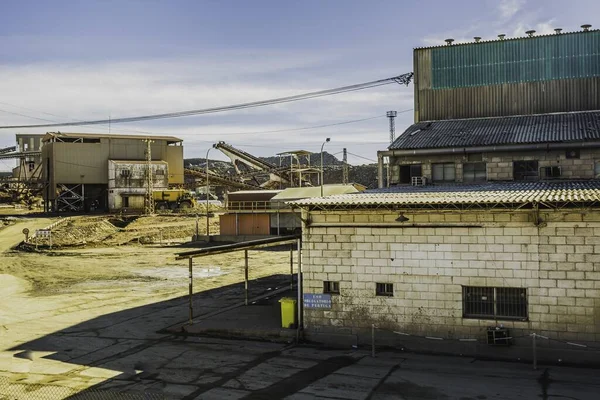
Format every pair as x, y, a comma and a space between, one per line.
67, 60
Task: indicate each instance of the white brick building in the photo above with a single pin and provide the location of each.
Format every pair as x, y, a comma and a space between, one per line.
452, 261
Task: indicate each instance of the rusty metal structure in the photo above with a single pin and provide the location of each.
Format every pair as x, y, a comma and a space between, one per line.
26, 183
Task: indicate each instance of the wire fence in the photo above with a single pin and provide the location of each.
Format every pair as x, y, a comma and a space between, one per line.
22, 390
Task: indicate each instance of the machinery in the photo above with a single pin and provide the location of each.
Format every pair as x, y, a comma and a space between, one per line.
173, 199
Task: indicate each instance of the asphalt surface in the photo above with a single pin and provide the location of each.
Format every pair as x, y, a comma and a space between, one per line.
119, 351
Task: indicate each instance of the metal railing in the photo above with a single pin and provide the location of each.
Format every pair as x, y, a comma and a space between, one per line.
255, 206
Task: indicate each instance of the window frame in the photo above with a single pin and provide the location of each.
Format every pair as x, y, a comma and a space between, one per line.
475, 180
443, 165
383, 289
331, 287
529, 174
490, 307
412, 171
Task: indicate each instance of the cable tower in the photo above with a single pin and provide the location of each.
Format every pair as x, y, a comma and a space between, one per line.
392, 115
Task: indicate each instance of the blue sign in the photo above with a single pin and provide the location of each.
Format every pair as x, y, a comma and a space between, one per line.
312, 300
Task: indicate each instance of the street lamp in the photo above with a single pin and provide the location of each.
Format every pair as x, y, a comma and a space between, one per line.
207, 194
326, 141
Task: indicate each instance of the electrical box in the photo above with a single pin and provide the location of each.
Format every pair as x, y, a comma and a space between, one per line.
498, 336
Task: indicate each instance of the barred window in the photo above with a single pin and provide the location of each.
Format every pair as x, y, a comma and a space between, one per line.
525, 170
384, 289
491, 302
331, 287
125, 173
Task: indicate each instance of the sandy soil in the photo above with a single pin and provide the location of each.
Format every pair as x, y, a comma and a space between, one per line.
93, 281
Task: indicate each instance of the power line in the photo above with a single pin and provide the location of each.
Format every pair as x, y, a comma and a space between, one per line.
300, 129
368, 159
401, 79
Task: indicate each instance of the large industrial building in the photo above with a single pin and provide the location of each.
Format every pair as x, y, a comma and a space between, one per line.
490, 221
103, 171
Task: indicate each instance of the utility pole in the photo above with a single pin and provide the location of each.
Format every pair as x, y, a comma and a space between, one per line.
345, 168
392, 116
149, 206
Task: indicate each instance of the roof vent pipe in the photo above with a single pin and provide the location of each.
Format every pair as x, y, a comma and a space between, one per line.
501, 36
530, 33
558, 30
586, 27
477, 39
449, 41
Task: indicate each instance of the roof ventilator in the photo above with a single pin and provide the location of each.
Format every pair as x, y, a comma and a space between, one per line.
501, 36
477, 39
530, 33
558, 30
586, 27
418, 181
449, 42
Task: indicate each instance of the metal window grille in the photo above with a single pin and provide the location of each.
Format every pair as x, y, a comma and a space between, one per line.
384, 289
125, 173
525, 170
551, 172
491, 302
331, 287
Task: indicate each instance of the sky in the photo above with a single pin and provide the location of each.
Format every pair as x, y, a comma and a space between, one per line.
79, 60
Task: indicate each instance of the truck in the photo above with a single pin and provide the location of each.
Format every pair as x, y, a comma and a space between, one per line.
173, 199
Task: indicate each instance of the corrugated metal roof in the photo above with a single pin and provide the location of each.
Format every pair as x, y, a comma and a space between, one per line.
107, 136
314, 191
543, 128
507, 39
493, 192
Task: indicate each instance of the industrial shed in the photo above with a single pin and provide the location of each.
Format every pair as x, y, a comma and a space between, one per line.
449, 261
76, 165
266, 212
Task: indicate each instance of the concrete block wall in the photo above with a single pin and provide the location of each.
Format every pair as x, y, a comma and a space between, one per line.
500, 165
429, 263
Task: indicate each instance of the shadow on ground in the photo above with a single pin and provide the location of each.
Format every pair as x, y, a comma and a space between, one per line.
130, 351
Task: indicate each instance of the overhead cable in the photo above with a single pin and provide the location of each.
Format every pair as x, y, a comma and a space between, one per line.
400, 79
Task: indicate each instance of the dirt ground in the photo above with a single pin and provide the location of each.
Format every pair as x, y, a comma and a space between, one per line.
113, 266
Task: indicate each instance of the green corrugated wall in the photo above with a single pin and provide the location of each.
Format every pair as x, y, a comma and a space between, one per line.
516, 61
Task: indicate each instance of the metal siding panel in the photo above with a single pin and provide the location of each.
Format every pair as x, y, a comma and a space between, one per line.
227, 224
76, 163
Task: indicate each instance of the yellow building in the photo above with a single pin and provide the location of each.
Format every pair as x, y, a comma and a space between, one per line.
76, 165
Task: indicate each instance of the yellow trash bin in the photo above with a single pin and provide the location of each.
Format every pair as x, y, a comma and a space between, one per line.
288, 312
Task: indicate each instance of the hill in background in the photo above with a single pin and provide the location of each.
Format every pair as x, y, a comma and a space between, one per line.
364, 174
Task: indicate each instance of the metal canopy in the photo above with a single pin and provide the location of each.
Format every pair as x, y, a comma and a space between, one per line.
249, 245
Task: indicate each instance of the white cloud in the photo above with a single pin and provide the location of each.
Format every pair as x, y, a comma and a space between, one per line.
509, 8
120, 89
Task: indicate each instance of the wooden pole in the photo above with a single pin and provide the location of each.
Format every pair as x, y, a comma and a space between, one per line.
191, 317
246, 276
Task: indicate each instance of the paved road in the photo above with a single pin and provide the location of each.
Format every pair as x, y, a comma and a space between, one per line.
12, 235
